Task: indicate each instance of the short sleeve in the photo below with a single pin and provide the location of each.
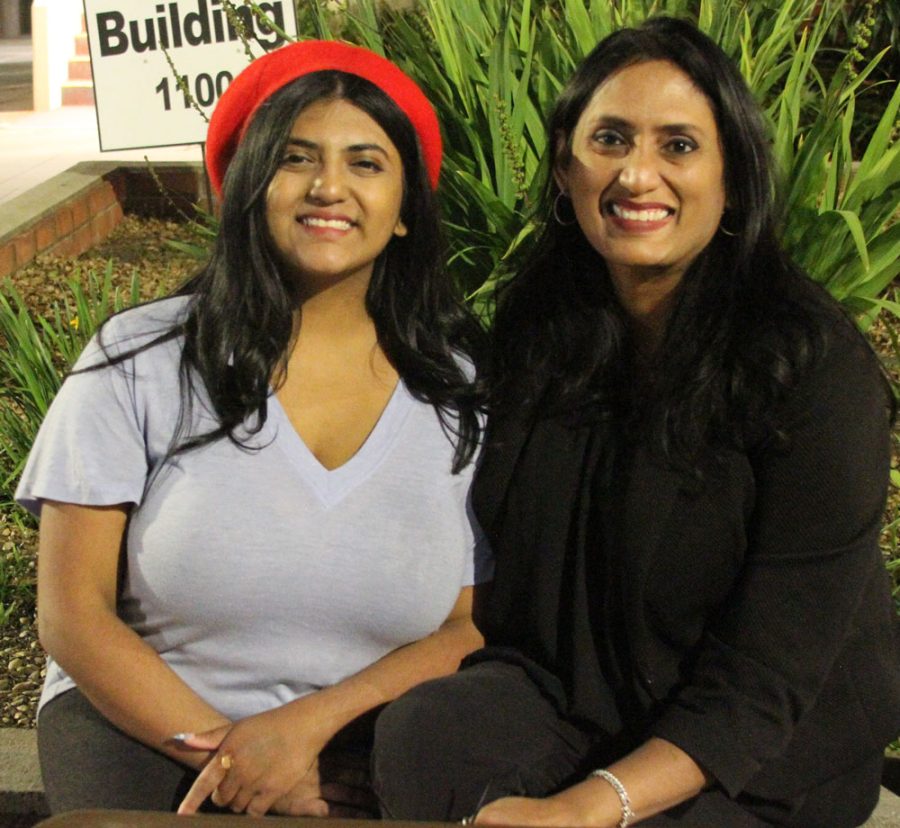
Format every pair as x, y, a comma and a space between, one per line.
95, 444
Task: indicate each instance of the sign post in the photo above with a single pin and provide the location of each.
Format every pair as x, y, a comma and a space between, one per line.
153, 63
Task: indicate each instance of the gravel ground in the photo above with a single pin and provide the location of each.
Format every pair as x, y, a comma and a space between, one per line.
137, 245
21, 658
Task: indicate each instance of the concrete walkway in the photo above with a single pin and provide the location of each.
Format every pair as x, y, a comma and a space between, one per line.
35, 146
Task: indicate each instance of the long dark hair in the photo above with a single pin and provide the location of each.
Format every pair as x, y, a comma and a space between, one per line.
745, 322
241, 314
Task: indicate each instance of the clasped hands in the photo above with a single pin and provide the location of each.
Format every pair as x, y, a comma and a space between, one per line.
265, 763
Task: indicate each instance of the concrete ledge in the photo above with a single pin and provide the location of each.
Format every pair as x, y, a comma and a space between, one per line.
21, 789
887, 813
80, 207
22, 792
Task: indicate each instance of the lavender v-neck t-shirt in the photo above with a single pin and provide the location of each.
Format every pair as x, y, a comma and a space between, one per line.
259, 576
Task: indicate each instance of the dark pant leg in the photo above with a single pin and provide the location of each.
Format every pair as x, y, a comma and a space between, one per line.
86, 762
450, 746
846, 800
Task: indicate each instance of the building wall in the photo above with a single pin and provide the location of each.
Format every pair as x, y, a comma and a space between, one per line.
12, 18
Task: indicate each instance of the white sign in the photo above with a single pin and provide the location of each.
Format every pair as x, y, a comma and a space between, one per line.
140, 103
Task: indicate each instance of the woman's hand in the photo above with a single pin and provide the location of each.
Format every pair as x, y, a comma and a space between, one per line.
344, 789
260, 761
334, 785
524, 811
657, 775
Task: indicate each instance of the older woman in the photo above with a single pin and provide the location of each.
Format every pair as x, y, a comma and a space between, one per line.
683, 486
254, 494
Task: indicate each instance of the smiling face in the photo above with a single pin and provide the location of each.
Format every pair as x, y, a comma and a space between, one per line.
335, 201
646, 173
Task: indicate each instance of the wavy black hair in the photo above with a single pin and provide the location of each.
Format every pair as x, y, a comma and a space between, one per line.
242, 308
745, 322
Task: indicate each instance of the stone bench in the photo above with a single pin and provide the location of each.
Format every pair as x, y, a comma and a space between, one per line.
21, 789
22, 793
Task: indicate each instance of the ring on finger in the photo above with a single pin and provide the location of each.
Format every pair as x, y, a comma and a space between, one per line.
226, 761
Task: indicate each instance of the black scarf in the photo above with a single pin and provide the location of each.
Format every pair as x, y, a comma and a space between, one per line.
545, 494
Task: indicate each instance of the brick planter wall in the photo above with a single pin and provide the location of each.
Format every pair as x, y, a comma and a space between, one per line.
79, 208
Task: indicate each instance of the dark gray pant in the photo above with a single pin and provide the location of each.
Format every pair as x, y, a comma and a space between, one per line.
452, 745
86, 762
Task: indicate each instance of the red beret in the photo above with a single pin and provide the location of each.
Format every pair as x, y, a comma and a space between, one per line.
269, 73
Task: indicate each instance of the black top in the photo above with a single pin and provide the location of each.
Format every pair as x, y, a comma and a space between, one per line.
748, 621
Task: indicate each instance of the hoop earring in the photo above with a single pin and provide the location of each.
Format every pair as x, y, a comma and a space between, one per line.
556, 214
725, 231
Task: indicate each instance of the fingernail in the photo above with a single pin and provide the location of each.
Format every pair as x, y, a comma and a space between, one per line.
180, 737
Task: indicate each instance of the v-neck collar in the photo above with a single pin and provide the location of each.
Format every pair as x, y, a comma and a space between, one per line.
332, 485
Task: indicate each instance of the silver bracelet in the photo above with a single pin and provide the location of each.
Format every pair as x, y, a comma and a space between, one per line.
619, 788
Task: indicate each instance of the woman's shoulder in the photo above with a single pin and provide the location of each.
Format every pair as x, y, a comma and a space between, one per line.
843, 344
806, 325
135, 328
799, 354
148, 319
842, 368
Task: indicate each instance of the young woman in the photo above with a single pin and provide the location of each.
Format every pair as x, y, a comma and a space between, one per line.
253, 495
683, 487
